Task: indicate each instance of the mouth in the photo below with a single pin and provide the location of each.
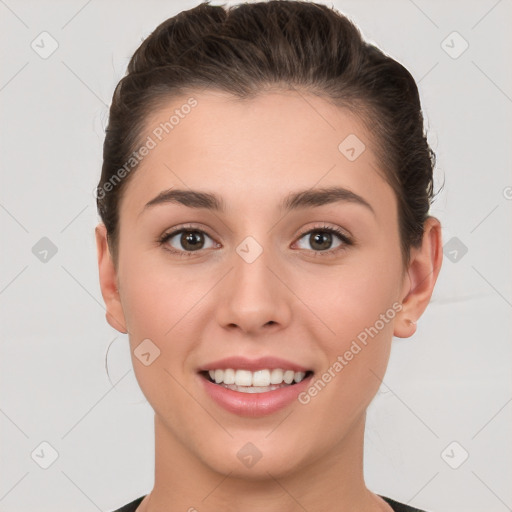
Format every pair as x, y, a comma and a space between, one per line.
254, 387
260, 381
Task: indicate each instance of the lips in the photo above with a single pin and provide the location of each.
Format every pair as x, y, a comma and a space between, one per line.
254, 401
262, 363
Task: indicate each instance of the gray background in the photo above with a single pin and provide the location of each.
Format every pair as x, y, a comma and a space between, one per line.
450, 382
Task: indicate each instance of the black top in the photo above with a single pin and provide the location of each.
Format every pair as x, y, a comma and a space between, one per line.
397, 507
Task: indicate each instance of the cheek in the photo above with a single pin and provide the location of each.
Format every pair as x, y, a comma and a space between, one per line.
157, 296
348, 299
356, 309
161, 304
150, 308
158, 341
361, 317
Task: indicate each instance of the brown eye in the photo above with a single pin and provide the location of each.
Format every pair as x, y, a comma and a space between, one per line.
191, 240
186, 241
321, 240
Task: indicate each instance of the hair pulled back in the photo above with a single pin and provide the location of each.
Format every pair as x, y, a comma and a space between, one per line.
249, 48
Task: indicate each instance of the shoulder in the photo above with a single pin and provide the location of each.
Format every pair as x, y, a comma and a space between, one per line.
130, 507
400, 507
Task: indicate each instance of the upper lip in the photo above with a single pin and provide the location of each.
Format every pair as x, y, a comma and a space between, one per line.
262, 363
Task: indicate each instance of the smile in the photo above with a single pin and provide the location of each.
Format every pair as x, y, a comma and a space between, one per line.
265, 378
254, 394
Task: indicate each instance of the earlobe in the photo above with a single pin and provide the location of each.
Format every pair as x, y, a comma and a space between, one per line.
422, 273
108, 282
115, 324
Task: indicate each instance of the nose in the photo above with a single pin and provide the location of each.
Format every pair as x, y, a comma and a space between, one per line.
254, 297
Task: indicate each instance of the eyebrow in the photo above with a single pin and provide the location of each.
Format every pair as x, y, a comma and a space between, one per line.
294, 201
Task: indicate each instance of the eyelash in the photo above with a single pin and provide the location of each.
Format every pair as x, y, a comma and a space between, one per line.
188, 228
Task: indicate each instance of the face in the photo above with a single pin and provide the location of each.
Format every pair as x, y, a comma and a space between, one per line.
314, 283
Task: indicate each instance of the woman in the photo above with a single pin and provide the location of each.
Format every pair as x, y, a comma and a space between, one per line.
265, 232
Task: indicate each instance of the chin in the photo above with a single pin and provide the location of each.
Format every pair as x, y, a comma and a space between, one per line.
254, 460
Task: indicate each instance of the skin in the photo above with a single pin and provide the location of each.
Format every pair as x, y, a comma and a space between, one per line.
214, 304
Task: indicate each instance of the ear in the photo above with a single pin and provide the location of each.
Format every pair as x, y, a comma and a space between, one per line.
424, 266
108, 281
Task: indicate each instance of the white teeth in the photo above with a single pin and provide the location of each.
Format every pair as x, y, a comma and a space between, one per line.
258, 379
229, 376
252, 389
242, 377
261, 378
276, 376
288, 376
298, 376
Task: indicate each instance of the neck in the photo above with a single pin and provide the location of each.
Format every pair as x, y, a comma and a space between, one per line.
334, 481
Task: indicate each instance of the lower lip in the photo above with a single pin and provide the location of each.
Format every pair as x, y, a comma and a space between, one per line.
254, 404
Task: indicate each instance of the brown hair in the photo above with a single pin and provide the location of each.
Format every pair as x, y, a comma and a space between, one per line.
247, 49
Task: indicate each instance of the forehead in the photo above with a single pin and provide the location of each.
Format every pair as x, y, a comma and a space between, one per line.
279, 119
266, 145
